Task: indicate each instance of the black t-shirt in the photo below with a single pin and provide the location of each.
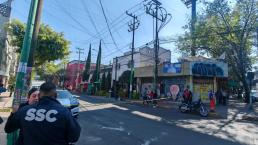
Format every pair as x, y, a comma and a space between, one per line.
45, 123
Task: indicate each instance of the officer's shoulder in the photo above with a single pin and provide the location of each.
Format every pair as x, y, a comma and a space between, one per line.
25, 108
61, 107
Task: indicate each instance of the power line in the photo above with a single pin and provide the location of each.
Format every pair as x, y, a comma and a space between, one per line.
92, 21
74, 19
118, 20
107, 24
63, 21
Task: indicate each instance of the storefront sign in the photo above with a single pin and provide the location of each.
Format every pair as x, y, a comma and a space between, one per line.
218, 69
172, 68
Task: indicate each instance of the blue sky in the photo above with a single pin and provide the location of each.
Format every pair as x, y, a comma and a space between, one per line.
71, 18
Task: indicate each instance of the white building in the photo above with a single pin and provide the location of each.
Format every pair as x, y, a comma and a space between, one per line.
8, 57
143, 57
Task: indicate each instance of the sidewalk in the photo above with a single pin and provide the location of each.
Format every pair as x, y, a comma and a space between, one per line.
5, 109
221, 112
5, 102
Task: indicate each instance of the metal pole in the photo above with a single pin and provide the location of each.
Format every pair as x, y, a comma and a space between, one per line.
132, 64
250, 97
132, 27
64, 74
115, 78
156, 53
152, 9
34, 42
78, 67
193, 52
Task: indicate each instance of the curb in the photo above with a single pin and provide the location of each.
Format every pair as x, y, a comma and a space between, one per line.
214, 115
5, 110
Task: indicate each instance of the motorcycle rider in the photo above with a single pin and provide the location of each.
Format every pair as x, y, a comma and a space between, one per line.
187, 95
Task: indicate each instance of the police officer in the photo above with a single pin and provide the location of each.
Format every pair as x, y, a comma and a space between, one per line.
32, 98
47, 122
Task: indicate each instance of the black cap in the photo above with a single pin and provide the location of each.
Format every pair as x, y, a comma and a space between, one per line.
47, 87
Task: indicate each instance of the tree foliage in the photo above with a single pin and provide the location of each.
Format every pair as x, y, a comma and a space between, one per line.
86, 72
103, 82
125, 77
226, 28
108, 81
51, 45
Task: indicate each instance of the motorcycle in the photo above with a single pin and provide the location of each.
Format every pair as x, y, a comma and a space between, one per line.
196, 106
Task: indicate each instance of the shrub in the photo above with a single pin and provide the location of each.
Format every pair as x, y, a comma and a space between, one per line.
136, 96
102, 93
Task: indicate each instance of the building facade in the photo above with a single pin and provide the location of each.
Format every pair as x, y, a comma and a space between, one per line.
198, 73
142, 58
8, 56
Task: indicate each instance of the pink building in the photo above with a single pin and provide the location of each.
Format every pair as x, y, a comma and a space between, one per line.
72, 70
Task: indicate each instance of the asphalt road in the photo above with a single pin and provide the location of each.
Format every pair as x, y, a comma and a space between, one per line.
108, 122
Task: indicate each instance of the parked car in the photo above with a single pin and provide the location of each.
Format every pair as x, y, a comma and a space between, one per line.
68, 100
253, 94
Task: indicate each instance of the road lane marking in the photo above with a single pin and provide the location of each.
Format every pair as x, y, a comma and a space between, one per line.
114, 128
145, 115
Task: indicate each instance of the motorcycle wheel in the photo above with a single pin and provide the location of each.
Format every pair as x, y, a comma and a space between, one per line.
183, 108
203, 111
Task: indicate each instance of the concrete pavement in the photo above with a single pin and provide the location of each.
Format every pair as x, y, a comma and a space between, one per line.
5, 108
105, 122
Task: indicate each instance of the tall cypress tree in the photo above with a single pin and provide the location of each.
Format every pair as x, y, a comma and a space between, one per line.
98, 68
108, 81
86, 72
103, 82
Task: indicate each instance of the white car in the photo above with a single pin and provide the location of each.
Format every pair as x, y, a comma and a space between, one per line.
69, 100
254, 94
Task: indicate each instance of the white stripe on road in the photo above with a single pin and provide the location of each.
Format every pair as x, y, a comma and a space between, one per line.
113, 128
149, 116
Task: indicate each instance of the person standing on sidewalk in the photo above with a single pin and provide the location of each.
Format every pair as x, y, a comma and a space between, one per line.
144, 95
32, 99
11, 89
46, 122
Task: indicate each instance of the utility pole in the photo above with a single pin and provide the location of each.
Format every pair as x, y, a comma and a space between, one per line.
34, 42
153, 8
21, 71
64, 74
80, 51
115, 87
193, 21
132, 27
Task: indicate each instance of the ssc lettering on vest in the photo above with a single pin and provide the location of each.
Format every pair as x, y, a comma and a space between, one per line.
41, 115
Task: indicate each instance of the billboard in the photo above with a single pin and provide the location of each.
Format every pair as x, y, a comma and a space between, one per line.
172, 67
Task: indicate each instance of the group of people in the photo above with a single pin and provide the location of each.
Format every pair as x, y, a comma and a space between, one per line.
149, 96
220, 95
42, 120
